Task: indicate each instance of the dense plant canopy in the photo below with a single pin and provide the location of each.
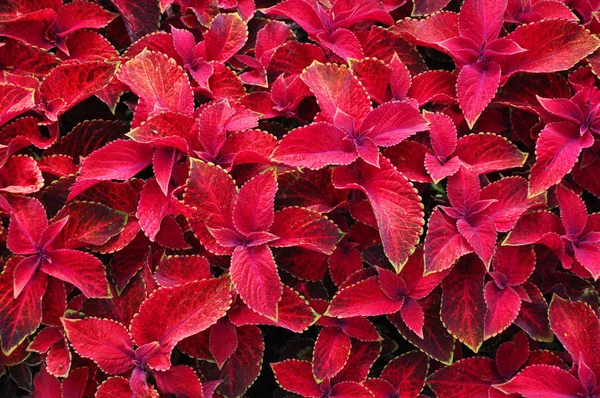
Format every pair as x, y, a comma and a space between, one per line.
316, 198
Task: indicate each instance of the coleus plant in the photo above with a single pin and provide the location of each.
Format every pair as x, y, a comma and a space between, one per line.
326, 199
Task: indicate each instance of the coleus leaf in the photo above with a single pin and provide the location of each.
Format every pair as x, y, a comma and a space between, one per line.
297, 377
299, 148
557, 148
253, 211
80, 269
71, 83
159, 83
326, 81
443, 244
396, 205
503, 306
562, 44
476, 86
254, 275
436, 341
222, 340
542, 381
365, 298
199, 305
226, 35
406, 373
15, 101
178, 270
243, 367
463, 302
14, 326
89, 224
331, 352
140, 18
296, 226
104, 341
577, 328
179, 380
213, 206
468, 377
293, 313
119, 160
494, 153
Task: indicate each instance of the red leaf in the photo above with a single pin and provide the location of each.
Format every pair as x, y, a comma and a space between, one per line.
81, 15
21, 175
331, 353
46, 385
513, 265
573, 212
503, 306
391, 123
510, 194
557, 149
413, 317
212, 193
297, 377
226, 35
481, 21
242, 369
538, 381
105, 342
82, 270
476, 86
27, 223
533, 317
433, 86
119, 160
71, 83
140, 17
350, 389
365, 298
199, 305
179, 380
14, 325
293, 312
254, 208
296, 226
87, 137
222, 340
154, 207
167, 129
443, 243
472, 377
436, 341
552, 45
178, 270
426, 7
16, 100
159, 83
429, 31
113, 387
254, 276
463, 304
326, 83
396, 205
299, 148
342, 42
480, 231
494, 153
578, 329
406, 373
58, 360
89, 224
